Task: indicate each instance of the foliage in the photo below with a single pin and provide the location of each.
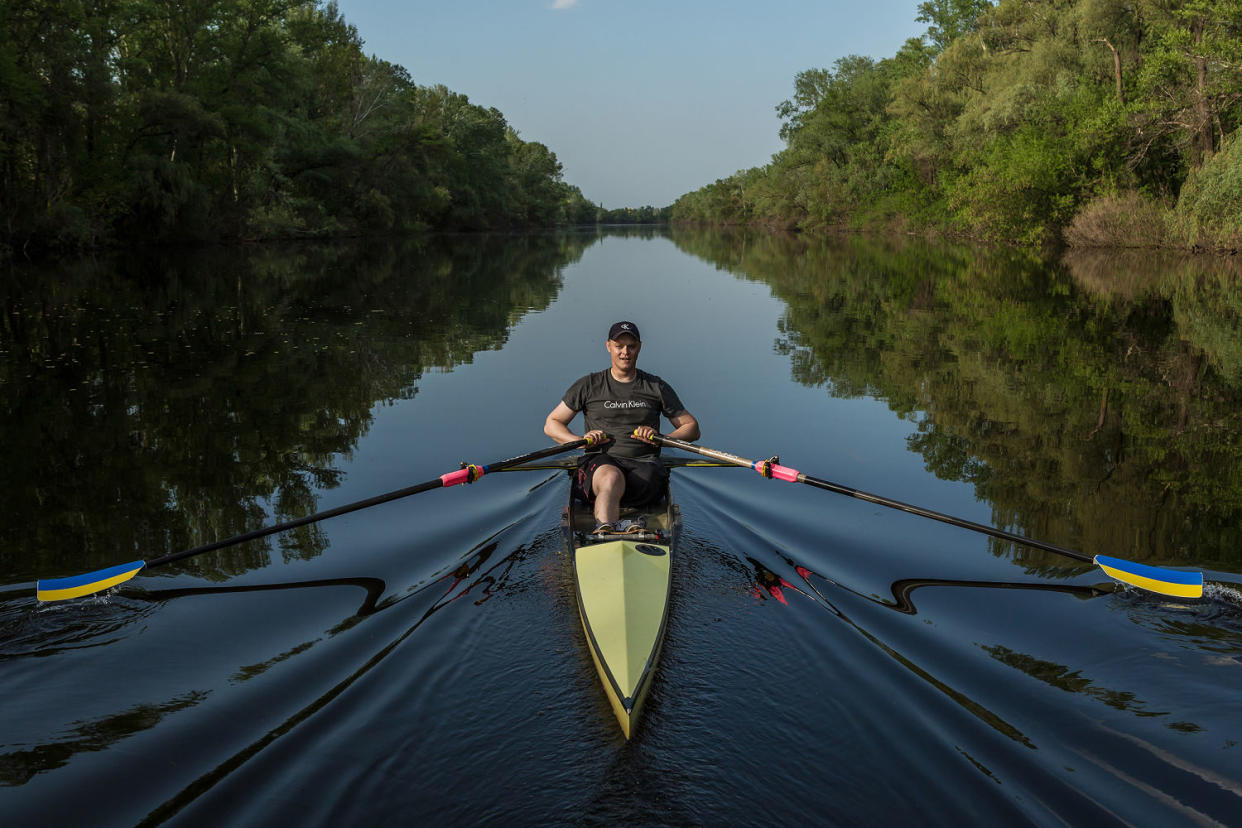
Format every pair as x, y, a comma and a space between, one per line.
634, 215
1209, 211
1006, 121
949, 19
1118, 220
149, 120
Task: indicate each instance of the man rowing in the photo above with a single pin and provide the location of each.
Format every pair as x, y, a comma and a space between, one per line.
624, 403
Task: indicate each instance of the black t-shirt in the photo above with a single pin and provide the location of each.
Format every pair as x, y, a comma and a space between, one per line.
620, 407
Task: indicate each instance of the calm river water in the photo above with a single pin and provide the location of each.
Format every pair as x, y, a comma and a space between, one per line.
828, 661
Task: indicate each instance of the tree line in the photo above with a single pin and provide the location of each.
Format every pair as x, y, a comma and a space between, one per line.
1096, 122
171, 121
635, 215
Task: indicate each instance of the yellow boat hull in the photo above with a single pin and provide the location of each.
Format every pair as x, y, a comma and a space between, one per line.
622, 587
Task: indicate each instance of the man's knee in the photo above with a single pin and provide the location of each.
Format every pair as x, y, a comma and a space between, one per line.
607, 477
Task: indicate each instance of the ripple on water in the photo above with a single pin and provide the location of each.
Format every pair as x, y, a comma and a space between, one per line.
30, 628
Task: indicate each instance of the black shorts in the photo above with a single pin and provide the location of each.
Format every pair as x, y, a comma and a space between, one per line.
644, 480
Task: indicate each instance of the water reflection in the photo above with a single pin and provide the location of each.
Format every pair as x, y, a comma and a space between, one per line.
19, 766
167, 401
1093, 404
1212, 627
770, 584
373, 588
1070, 680
458, 583
363, 683
776, 586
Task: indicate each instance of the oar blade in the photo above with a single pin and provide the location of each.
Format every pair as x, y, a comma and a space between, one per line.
62, 589
1153, 578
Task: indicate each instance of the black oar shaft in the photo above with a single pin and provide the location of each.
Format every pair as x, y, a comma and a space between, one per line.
772, 469
293, 524
76, 586
954, 521
361, 504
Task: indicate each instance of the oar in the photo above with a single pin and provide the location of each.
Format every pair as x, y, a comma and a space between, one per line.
1151, 578
76, 586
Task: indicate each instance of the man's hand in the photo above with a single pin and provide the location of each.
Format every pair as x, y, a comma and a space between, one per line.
595, 437
645, 433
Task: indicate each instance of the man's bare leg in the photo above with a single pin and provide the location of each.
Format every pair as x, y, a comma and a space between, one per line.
608, 483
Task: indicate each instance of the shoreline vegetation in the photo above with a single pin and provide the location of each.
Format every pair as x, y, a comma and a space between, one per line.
1085, 123
1079, 123
127, 121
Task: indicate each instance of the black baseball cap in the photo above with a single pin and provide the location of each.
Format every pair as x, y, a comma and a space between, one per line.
619, 328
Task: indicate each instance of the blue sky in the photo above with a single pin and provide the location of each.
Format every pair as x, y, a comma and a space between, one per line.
641, 100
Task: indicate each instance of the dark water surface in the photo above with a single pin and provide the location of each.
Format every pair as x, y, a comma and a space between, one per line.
828, 661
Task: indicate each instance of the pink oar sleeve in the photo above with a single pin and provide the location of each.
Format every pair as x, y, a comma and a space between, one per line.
467, 475
785, 473
769, 469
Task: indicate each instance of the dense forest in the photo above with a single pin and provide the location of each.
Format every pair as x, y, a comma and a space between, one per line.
158, 120
1096, 122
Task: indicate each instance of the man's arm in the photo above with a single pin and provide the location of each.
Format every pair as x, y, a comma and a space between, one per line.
556, 426
685, 427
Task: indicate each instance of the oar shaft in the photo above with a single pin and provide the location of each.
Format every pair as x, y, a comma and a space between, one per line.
954, 521
76, 586
770, 469
293, 524
465, 475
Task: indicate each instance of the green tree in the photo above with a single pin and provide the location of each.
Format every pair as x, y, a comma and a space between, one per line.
167, 121
949, 19
1007, 122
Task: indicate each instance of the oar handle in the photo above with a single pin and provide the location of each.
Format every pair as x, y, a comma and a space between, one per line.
767, 468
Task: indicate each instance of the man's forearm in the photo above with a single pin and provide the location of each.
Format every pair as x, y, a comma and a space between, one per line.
688, 432
559, 431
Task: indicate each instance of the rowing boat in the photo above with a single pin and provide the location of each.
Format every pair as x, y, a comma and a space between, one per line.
622, 585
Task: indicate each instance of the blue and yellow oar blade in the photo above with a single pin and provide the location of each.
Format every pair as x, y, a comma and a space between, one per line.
60, 589
1153, 578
